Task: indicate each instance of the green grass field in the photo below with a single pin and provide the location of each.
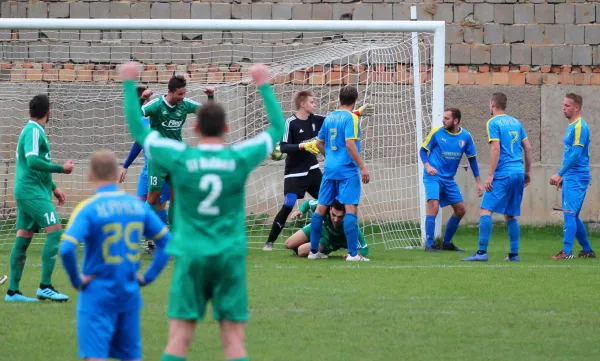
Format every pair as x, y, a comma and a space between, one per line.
404, 305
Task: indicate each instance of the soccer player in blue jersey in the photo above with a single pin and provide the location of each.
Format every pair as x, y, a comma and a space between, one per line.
142, 188
111, 225
574, 178
507, 178
441, 154
339, 141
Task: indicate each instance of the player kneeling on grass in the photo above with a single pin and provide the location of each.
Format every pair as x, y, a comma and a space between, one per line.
111, 225
332, 233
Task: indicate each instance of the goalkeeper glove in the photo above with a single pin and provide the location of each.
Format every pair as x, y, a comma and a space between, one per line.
365, 111
310, 147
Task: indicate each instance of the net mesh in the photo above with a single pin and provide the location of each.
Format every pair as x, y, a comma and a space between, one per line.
77, 69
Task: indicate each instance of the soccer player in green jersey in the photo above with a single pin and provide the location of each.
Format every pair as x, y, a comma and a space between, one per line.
209, 242
332, 233
167, 115
33, 192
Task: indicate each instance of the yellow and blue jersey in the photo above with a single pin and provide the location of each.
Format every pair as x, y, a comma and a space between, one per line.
577, 135
446, 149
339, 126
111, 225
509, 132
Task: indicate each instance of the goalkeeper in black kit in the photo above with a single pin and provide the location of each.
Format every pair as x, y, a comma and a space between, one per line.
302, 173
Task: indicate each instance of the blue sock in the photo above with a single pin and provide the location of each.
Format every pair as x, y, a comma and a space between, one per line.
316, 223
569, 231
582, 237
162, 214
451, 228
514, 235
351, 232
429, 230
485, 231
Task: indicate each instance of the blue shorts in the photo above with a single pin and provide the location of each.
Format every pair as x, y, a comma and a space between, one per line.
108, 334
573, 194
506, 195
444, 190
346, 191
142, 188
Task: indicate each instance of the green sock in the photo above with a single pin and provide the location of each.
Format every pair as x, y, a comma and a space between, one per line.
18, 256
170, 214
167, 357
49, 253
240, 359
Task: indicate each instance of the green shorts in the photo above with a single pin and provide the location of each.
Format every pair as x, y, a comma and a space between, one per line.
36, 214
325, 241
220, 278
157, 176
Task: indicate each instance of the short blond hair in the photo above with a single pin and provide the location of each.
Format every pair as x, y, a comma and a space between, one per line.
103, 165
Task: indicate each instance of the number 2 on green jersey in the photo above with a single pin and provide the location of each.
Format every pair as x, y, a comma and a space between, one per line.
212, 182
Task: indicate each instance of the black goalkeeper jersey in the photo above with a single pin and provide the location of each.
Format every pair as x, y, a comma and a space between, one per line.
299, 162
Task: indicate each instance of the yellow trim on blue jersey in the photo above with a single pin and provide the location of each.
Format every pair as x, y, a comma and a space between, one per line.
524, 138
457, 133
160, 234
474, 155
69, 239
577, 140
429, 136
355, 120
487, 128
79, 208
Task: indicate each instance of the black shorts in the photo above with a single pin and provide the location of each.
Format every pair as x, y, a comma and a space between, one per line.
300, 185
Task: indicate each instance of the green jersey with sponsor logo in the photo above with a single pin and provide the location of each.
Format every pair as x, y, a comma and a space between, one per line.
34, 168
168, 119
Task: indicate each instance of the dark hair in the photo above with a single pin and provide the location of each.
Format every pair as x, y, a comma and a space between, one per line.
211, 119
140, 90
455, 113
338, 206
348, 95
39, 106
177, 82
500, 100
301, 97
576, 98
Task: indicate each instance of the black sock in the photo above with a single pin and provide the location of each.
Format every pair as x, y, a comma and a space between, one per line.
481, 252
11, 293
43, 286
511, 255
295, 251
279, 223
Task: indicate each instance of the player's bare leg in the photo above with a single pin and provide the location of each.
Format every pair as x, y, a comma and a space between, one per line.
296, 240
18, 256
485, 232
49, 255
181, 333
232, 339
433, 206
452, 226
351, 231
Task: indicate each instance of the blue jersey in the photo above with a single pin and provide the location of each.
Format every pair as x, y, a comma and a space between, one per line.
339, 126
111, 225
510, 133
578, 135
446, 149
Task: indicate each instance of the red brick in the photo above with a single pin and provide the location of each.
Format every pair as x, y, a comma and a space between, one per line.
582, 78
334, 78
463, 68
6, 65
365, 76
102, 67
299, 77
316, 78
515, 68
69, 66
483, 78
89, 66
198, 76
213, 78
517, 78
235, 67
500, 78
361, 68
533, 78
47, 66
50, 75
149, 76
545, 69
231, 77
555, 69
164, 76
150, 67
550, 78
213, 68
386, 77
17, 75
281, 78
83, 75
524, 68
566, 68
586, 69
66, 75
403, 67
495, 69
351, 78
576, 69
100, 76
484, 69
566, 79
28, 65
33, 74
505, 68
466, 78
171, 67
451, 78
596, 70
113, 75
595, 79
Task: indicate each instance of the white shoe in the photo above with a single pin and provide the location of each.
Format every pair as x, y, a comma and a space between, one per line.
358, 258
268, 246
317, 255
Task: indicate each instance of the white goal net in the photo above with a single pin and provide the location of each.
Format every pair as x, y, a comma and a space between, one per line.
77, 69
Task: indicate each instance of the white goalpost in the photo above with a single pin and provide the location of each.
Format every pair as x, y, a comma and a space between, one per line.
397, 65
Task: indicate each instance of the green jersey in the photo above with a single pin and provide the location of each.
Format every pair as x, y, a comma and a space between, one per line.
209, 180
337, 236
34, 168
168, 119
